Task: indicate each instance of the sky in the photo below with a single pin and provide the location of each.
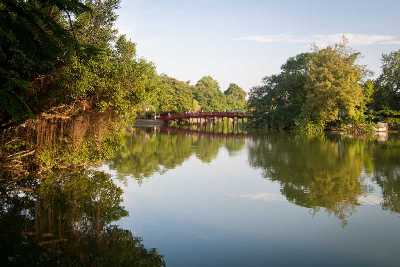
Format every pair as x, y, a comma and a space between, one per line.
242, 41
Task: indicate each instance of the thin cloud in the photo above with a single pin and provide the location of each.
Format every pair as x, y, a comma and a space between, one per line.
325, 39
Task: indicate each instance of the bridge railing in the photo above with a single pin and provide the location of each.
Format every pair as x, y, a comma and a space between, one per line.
188, 115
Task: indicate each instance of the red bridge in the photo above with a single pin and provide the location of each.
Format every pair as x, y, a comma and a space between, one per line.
202, 115
190, 132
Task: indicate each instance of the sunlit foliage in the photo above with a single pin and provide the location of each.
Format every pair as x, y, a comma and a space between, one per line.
235, 98
314, 91
208, 94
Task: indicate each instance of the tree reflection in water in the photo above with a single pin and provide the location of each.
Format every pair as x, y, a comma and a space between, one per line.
66, 220
327, 172
315, 173
387, 173
146, 152
54, 210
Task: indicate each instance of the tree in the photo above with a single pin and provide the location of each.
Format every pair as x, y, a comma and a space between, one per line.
112, 77
278, 102
334, 93
67, 52
34, 42
96, 28
173, 95
313, 91
208, 94
387, 90
235, 98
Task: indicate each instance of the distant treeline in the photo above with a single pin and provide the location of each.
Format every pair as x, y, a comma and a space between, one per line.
63, 56
328, 89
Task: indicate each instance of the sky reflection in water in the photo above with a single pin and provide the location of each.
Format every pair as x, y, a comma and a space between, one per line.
263, 201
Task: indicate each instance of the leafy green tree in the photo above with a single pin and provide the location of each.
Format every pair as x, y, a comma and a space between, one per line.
235, 98
208, 94
313, 91
386, 104
112, 77
96, 28
334, 92
68, 52
387, 94
34, 42
278, 102
173, 95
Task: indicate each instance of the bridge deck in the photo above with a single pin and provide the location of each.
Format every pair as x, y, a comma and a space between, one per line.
190, 115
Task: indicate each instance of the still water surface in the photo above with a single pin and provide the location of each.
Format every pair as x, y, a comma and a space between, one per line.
197, 199
273, 200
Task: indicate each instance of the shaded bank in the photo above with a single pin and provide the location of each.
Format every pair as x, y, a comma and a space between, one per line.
56, 210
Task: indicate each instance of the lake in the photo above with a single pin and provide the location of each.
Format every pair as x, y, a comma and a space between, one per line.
186, 198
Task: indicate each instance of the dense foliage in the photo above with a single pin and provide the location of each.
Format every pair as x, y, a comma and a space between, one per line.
173, 96
111, 77
386, 93
326, 88
279, 100
69, 52
235, 98
333, 87
35, 41
207, 92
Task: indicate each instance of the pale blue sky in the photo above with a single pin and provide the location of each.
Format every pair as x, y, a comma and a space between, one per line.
242, 41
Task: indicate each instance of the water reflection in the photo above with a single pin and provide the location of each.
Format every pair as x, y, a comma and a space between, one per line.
329, 173
65, 220
55, 211
59, 208
145, 152
312, 173
386, 159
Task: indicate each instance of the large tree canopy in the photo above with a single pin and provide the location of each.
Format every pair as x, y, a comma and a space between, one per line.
280, 99
235, 98
208, 94
321, 88
34, 41
333, 86
387, 91
173, 96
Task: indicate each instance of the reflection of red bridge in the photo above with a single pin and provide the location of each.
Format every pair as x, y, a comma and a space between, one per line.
202, 115
169, 130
